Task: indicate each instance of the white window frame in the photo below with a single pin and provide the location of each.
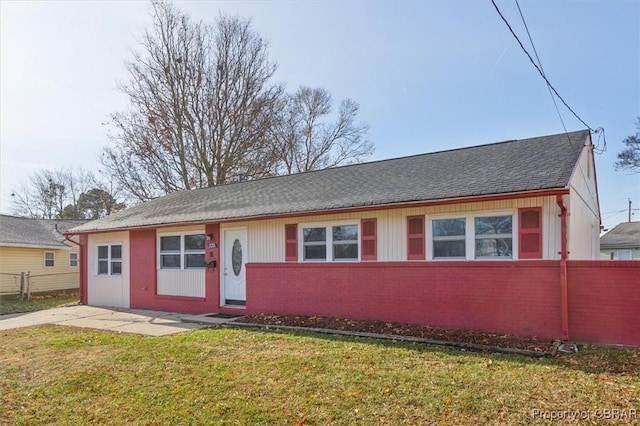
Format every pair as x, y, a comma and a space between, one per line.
109, 259
433, 238
53, 259
71, 254
182, 252
470, 234
329, 242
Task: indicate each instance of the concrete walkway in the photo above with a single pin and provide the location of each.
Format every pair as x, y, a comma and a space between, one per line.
148, 323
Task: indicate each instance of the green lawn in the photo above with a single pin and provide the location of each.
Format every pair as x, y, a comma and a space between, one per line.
10, 304
58, 375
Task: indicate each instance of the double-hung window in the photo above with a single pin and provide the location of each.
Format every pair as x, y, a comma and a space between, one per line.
330, 242
494, 237
73, 260
449, 238
184, 251
110, 259
472, 236
49, 259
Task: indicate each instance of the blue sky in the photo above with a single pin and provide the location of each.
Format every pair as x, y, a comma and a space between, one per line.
429, 75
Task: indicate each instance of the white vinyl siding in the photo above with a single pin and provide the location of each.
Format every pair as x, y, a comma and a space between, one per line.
266, 237
583, 221
188, 283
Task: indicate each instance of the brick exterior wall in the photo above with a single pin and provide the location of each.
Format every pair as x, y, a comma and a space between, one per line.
604, 301
512, 297
143, 277
520, 298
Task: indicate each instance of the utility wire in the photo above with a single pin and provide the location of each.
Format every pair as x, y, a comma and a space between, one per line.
535, 51
538, 68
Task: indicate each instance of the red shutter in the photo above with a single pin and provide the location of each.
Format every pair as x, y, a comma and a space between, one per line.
530, 233
291, 242
368, 230
415, 238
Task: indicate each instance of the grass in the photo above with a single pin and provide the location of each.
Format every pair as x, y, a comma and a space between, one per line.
11, 304
57, 375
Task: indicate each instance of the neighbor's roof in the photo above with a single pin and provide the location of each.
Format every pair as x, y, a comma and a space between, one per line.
506, 167
37, 233
626, 234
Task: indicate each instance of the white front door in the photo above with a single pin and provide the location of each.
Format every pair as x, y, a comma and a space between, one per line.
233, 267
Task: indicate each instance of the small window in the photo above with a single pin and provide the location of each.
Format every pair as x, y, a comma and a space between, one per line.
345, 242
494, 237
182, 251
110, 259
314, 243
73, 260
49, 259
449, 238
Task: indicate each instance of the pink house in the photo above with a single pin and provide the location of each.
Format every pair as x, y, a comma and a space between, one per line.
480, 237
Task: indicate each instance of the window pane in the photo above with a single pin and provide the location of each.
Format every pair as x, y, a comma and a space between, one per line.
493, 225
116, 252
103, 267
315, 252
494, 247
170, 243
194, 242
345, 251
170, 261
73, 259
448, 227
345, 233
103, 252
116, 268
314, 234
455, 248
194, 261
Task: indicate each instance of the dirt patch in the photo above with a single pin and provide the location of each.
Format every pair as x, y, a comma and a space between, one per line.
508, 341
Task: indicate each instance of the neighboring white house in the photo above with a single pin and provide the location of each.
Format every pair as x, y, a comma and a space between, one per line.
622, 242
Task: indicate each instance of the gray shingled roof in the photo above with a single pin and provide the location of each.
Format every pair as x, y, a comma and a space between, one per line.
626, 234
22, 231
500, 168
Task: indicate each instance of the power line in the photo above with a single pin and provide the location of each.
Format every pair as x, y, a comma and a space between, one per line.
538, 68
535, 51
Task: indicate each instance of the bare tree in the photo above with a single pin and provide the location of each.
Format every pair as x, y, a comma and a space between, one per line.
200, 107
306, 139
53, 194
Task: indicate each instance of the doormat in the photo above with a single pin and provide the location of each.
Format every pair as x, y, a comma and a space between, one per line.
223, 316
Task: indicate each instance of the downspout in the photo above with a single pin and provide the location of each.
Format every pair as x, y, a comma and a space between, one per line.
564, 293
82, 268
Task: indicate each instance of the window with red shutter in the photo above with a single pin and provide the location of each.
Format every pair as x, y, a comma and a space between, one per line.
291, 242
369, 250
415, 238
530, 233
